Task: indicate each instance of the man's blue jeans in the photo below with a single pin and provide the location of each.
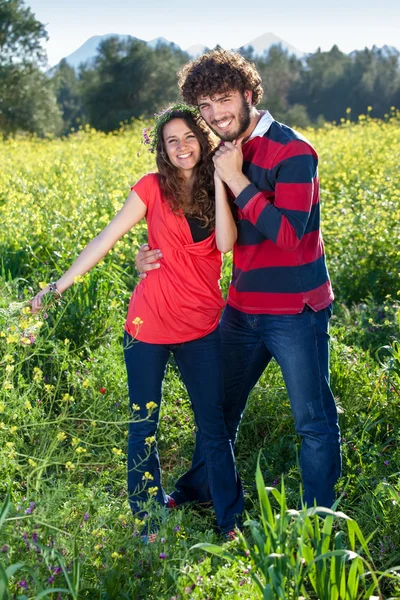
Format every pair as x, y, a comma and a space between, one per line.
199, 362
300, 345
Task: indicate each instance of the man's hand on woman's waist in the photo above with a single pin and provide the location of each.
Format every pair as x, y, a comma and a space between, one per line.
146, 260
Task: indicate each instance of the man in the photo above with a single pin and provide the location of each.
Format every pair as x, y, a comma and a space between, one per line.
280, 297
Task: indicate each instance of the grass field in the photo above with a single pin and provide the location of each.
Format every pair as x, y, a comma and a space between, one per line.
66, 523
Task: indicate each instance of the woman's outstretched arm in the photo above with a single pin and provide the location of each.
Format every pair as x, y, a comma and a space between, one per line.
130, 214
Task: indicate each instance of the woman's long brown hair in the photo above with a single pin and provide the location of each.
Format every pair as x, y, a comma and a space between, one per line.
200, 200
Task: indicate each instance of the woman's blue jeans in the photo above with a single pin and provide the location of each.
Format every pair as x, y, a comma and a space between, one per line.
300, 345
199, 362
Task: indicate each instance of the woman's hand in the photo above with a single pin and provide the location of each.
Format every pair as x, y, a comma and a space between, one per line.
36, 303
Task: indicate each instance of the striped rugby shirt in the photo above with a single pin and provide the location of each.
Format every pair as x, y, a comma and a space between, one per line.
278, 259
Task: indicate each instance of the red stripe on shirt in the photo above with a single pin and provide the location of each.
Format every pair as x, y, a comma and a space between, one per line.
291, 304
295, 196
268, 255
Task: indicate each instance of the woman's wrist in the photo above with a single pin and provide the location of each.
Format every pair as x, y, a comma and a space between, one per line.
53, 288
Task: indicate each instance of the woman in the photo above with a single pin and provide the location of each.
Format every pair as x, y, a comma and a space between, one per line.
177, 311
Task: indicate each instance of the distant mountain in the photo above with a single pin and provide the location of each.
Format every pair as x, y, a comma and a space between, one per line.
196, 50
161, 40
263, 43
88, 50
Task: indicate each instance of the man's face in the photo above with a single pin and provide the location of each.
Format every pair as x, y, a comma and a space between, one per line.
227, 113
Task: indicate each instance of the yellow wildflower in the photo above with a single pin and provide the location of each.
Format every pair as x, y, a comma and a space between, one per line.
117, 451
78, 279
42, 285
152, 491
61, 436
69, 465
80, 450
116, 555
2, 407
151, 405
31, 462
147, 476
150, 440
67, 398
28, 405
37, 374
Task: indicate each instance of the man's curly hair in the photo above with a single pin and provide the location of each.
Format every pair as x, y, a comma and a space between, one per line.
218, 71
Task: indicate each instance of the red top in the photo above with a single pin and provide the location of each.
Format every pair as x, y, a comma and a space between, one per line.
182, 300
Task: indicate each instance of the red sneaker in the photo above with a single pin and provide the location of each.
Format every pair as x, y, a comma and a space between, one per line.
171, 502
230, 536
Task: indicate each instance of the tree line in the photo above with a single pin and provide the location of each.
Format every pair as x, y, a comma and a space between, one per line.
128, 79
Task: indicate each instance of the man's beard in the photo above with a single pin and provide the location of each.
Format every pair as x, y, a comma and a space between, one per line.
244, 119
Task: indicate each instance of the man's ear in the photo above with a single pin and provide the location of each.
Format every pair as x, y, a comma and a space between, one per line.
248, 96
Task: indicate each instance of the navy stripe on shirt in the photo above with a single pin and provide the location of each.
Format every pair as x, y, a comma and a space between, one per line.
248, 234
281, 280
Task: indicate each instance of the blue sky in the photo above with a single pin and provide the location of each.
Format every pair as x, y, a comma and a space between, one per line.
306, 24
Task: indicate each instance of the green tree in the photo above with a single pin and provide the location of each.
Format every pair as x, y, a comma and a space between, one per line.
27, 100
67, 88
21, 35
128, 79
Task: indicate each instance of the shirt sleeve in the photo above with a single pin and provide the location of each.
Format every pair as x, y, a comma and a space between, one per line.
145, 188
282, 216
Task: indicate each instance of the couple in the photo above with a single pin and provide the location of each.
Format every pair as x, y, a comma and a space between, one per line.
279, 300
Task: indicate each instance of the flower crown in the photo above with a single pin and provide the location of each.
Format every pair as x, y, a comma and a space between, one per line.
151, 134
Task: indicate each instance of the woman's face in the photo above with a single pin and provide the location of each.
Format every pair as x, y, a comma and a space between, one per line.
181, 145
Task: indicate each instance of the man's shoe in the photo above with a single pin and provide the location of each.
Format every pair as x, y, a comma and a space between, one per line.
230, 536
148, 539
171, 502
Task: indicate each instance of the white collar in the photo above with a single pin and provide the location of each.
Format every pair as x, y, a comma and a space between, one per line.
263, 125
